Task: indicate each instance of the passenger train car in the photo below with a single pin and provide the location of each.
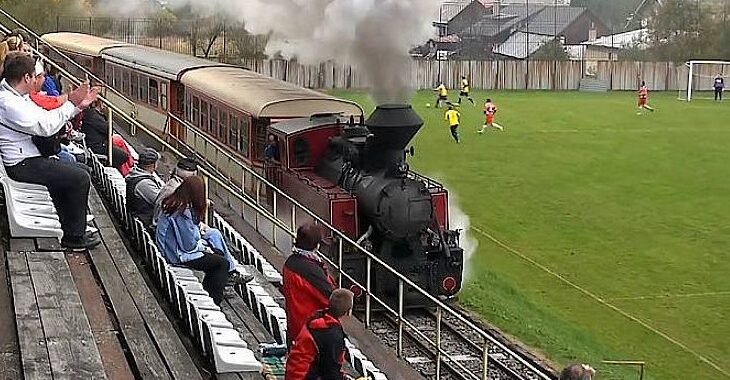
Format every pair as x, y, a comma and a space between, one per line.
351, 172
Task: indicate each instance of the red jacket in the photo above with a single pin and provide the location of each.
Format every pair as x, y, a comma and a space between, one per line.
118, 142
307, 288
319, 350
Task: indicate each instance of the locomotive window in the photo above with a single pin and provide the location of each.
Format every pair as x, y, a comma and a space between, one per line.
154, 100
134, 86
260, 137
213, 121
233, 133
301, 151
223, 128
196, 111
204, 122
163, 95
244, 133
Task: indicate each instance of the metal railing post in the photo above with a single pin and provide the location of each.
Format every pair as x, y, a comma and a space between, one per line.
293, 218
273, 225
399, 346
368, 278
438, 342
207, 198
485, 360
339, 262
110, 133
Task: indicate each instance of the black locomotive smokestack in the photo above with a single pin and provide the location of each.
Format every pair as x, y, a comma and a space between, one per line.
393, 126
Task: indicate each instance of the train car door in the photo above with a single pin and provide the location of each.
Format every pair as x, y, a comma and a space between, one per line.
177, 108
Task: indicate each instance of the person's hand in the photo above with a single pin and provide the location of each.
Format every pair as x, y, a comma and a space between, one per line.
90, 97
78, 95
204, 228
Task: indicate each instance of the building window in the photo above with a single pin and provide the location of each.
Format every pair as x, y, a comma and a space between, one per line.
196, 111
154, 99
163, 95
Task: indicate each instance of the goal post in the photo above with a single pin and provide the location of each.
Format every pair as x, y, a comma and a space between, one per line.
696, 79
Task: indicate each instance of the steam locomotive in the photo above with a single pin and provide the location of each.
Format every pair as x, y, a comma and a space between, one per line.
401, 216
350, 172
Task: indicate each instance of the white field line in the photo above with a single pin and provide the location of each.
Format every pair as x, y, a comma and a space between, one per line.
605, 302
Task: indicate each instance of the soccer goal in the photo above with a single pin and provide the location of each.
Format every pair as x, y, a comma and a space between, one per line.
697, 78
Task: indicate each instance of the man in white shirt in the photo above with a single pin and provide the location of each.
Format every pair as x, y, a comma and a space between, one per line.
20, 119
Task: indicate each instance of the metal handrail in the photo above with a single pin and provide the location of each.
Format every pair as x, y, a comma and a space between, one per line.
370, 258
67, 58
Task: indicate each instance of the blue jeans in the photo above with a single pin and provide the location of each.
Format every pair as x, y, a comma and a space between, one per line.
65, 155
215, 240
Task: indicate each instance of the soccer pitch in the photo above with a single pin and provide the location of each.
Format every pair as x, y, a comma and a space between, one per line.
603, 235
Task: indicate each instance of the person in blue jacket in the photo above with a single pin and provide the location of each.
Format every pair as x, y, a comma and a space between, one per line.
50, 86
186, 241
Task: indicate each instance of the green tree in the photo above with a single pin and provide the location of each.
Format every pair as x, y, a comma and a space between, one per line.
680, 31
551, 51
40, 15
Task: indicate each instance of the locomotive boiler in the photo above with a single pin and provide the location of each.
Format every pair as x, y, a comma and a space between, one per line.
397, 213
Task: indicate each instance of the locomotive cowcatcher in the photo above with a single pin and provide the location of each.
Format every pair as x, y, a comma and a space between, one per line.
354, 174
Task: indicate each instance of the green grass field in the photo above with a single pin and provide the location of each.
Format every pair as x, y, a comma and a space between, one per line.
603, 235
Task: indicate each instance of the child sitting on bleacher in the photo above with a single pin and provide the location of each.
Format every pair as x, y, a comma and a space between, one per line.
185, 240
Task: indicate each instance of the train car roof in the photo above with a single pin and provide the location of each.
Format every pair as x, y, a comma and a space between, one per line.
157, 62
81, 43
262, 96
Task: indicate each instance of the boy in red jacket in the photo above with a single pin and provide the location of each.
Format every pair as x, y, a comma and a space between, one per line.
306, 285
319, 350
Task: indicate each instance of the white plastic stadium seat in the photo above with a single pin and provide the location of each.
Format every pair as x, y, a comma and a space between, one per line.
30, 212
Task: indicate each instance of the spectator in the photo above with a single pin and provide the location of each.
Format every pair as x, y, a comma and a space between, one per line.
319, 350
271, 151
20, 119
143, 185
307, 285
577, 372
186, 167
184, 240
127, 166
50, 86
95, 127
54, 74
15, 43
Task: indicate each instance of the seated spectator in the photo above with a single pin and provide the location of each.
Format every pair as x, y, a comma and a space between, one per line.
127, 166
184, 240
271, 151
49, 85
20, 119
577, 372
95, 126
143, 185
319, 350
55, 75
15, 43
307, 286
186, 167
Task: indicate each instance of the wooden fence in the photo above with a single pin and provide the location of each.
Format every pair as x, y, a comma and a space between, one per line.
503, 74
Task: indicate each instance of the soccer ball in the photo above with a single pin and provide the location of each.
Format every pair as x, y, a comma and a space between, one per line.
428, 105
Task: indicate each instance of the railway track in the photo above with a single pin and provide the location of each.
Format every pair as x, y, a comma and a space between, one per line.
463, 347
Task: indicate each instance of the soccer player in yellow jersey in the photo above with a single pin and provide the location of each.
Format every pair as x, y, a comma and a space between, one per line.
453, 117
443, 95
465, 90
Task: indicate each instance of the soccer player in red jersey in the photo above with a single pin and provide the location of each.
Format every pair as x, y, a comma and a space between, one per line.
490, 109
644, 98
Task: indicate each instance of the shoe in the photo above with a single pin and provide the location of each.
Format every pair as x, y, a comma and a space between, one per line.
91, 230
89, 218
229, 292
88, 241
76, 136
237, 278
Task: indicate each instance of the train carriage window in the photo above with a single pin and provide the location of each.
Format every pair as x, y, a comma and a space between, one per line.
213, 128
204, 121
154, 96
243, 136
163, 95
125, 82
196, 111
180, 97
223, 127
117, 78
260, 140
233, 141
143, 88
109, 74
134, 86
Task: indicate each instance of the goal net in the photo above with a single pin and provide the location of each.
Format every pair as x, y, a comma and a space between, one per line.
696, 79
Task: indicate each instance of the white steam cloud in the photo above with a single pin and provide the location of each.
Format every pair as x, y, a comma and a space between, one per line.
459, 220
374, 36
